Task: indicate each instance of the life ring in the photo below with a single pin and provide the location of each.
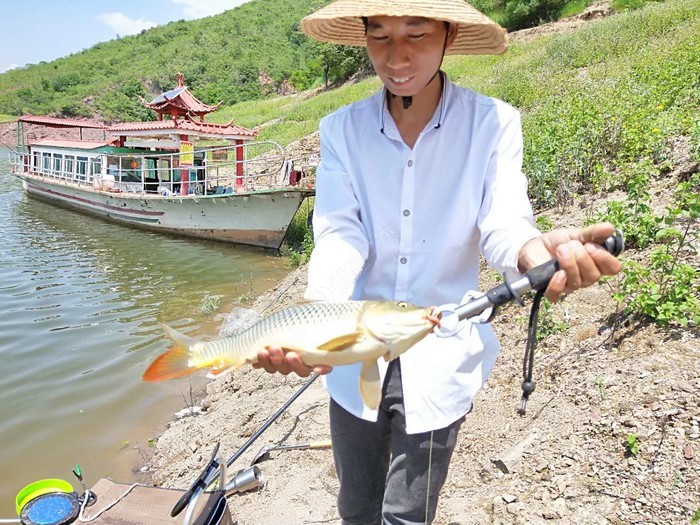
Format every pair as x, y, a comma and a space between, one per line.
134, 164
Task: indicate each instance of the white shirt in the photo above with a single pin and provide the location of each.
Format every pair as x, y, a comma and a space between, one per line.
391, 222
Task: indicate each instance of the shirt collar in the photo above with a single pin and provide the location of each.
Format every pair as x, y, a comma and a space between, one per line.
385, 118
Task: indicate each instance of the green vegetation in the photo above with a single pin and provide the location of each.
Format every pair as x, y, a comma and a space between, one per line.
631, 445
696, 518
242, 54
665, 288
248, 53
601, 388
548, 324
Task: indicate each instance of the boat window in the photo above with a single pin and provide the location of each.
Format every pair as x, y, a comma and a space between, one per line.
95, 166
57, 160
46, 165
82, 167
69, 165
37, 161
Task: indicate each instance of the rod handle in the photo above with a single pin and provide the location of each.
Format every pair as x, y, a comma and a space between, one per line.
540, 276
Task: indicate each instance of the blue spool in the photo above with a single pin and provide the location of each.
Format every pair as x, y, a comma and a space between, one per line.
58, 508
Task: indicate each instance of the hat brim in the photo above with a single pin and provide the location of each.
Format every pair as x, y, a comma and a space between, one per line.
341, 23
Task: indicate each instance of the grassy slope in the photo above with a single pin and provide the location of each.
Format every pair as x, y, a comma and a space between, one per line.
614, 92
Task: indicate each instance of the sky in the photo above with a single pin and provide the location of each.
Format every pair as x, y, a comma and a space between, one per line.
44, 30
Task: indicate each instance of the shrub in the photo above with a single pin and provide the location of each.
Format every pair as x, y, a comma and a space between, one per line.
665, 288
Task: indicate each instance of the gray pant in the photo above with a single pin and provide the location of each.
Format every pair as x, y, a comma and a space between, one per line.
384, 473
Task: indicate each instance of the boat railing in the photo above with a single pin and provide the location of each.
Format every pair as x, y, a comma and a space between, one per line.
249, 167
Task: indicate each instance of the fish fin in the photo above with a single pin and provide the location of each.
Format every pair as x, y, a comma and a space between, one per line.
174, 362
370, 386
219, 371
393, 353
341, 343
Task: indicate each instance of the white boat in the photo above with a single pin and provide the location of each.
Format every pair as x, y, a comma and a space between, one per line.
154, 175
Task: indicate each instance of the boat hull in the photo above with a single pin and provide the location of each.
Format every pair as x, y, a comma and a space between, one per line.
254, 218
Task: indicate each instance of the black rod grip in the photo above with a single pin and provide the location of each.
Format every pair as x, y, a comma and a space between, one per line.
540, 276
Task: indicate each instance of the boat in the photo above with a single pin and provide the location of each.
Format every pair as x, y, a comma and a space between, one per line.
177, 175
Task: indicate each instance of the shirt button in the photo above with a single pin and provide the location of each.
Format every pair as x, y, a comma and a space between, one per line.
410, 163
406, 213
403, 260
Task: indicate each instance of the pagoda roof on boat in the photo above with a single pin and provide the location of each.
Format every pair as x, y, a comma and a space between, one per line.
179, 101
61, 122
184, 126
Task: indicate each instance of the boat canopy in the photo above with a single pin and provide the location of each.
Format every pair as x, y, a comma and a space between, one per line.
55, 122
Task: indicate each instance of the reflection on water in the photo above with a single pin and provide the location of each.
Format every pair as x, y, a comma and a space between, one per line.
81, 300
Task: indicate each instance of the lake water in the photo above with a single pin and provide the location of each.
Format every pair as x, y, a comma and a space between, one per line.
80, 303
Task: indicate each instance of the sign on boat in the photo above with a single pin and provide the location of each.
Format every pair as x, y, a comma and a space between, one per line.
162, 176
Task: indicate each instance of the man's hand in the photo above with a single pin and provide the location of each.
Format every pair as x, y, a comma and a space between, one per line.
582, 260
274, 360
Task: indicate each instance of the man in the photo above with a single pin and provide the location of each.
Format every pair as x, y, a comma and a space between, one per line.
414, 183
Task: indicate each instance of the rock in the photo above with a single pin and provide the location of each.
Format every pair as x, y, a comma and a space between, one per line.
685, 386
508, 461
188, 412
509, 498
688, 451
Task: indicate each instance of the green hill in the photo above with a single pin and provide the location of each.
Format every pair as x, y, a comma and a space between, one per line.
238, 55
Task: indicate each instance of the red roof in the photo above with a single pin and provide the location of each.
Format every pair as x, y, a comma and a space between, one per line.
183, 126
75, 144
179, 101
61, 122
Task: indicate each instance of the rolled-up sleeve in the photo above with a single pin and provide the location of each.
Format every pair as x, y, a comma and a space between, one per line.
505, 217
341, 245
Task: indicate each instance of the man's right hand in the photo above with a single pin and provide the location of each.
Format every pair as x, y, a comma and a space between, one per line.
274, 360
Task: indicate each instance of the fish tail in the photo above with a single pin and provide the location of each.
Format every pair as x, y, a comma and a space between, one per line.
173, 363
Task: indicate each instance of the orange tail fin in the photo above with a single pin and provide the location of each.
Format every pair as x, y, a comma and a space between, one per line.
173, 363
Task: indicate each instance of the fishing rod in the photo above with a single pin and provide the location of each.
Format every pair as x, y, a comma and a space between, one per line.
484, 305
214, 470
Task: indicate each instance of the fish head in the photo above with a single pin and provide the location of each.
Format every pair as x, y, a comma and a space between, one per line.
397, 324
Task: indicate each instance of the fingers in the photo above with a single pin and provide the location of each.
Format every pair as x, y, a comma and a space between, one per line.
275, 360
606, 263
556, 286
596, 233
582, 265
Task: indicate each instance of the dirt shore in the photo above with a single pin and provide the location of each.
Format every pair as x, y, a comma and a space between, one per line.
600, 380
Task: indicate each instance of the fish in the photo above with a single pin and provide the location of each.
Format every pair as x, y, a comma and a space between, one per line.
320, 332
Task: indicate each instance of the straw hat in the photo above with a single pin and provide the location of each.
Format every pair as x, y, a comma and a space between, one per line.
341, 23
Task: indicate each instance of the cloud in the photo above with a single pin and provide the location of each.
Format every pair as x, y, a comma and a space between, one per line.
123, 25
202, 8
11, 66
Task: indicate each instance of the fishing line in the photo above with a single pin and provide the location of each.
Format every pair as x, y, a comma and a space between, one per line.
107, 507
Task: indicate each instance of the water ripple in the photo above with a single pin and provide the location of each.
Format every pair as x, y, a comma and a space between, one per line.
81, 305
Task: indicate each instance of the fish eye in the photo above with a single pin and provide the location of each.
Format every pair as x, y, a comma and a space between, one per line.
402, 304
